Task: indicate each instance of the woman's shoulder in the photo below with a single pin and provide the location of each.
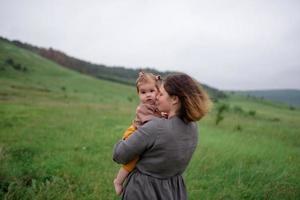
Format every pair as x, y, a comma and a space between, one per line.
180, 125
156, 122
155, 125
194, 125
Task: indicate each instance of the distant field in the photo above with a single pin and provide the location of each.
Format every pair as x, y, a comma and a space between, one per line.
58, 128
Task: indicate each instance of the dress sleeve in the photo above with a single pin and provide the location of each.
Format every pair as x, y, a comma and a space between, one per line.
141, 140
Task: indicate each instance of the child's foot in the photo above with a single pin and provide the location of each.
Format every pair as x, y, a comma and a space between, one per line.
118, 187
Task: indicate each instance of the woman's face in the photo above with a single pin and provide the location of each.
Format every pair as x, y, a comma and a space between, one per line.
163, 102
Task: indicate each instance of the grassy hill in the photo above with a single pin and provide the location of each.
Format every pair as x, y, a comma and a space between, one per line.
289, 97
115, 74
58, 128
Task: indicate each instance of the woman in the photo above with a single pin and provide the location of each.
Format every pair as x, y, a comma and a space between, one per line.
165, 146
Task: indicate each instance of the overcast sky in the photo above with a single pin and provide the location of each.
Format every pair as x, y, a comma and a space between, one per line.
227, 44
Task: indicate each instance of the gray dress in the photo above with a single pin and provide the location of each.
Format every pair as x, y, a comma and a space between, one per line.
165, 147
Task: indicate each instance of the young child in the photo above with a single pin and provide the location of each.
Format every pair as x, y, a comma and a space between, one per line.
147, 88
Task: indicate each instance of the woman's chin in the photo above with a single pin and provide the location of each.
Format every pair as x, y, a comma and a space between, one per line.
161, 110
158, 108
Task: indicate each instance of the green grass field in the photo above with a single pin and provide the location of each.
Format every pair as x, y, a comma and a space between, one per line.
58, 128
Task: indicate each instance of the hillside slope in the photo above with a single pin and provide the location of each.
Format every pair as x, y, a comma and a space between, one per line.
23, 73
117, 74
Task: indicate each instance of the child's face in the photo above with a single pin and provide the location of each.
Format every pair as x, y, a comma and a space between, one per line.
148, 93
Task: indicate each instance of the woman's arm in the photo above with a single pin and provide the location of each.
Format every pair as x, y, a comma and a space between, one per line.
137, 143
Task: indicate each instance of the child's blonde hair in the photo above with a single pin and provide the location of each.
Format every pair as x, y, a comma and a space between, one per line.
147, 78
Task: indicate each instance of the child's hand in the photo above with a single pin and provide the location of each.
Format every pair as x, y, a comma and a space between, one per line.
138, 109
164, 115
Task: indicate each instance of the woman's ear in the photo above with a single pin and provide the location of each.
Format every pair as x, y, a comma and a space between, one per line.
175, 100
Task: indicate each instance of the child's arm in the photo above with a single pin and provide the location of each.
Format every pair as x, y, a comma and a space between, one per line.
137, 143
131, 165
128, 132
125, 169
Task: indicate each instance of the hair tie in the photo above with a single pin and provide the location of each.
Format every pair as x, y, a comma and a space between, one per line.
141, 74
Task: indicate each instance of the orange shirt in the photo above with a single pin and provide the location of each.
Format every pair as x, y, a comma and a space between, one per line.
131, 165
